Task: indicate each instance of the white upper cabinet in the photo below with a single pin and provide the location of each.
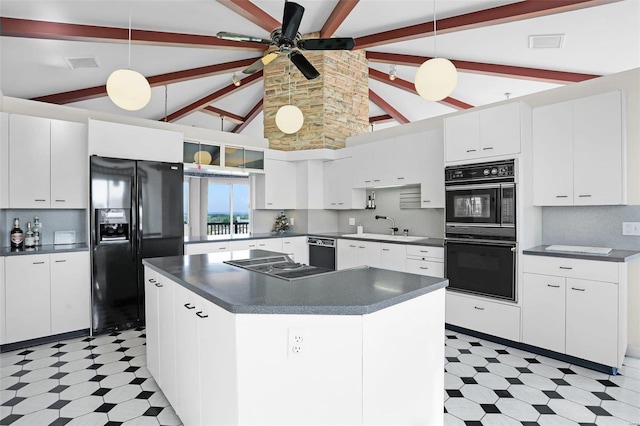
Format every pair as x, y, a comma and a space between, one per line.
387, 162
69, 165
578, 152
276, 188
428, 149
339, 193
490, 132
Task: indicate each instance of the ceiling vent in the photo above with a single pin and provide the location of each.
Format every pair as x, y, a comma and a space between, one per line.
546, 41
83, 62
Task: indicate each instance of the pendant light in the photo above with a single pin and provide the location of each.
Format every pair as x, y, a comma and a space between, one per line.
128, 89
437, 77
289, 118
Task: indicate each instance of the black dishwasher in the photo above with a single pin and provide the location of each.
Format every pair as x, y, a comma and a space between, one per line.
322, 252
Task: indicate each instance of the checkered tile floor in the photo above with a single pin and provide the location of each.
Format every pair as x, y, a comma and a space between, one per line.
104, 381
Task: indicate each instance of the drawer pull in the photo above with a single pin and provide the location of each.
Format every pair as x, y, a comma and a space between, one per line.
426, 201
40, 200
201, 315
287, 242
60, 261
159, 285
554, 286
424, 251
577, 289
562, 196
151, 280
424, 267
480, 309
565, 267
222, 248
352, 246
471, 150
487, 148
400, 178
188, 306
38, 263
584, 195
360, 246
61, 201
385, 249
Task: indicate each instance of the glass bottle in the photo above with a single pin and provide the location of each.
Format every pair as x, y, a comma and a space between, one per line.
16, 235
37, 230
29, 238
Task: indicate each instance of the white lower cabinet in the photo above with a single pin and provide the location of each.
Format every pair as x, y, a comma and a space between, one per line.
566, 310
151, 314
486, 316
167, 338
393, 257
70, 292
270, 244
425, 260
354, 253
296, 248
202, 248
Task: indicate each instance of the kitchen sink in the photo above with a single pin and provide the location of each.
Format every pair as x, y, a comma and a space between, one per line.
386, 237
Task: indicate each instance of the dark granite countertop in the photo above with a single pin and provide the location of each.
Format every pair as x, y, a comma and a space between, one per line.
433, 242
45, 249
355, 291
614, 256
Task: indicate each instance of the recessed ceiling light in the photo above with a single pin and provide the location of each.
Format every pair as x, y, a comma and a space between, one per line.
82, 62
546, 41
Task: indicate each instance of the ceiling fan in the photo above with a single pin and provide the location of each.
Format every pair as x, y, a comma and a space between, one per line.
288, 41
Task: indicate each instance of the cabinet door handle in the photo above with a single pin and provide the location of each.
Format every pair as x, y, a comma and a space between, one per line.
269, 204
426, 201
385, 249
352, 246
480, 309
222, 248
340, 204
565, 267
577, 289
61, 201
60, 261
554, 286
423, 267
38, 263
471, 150
40, 200
400, 178
287, 242
159, 285
188, 306
487, 148
376, 180
360, 246
201, 315
562, 196
367, 181
151, 280
424, 251
584, 195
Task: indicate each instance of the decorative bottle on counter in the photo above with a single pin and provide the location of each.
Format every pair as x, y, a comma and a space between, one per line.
29, 238
37, 230
16, 235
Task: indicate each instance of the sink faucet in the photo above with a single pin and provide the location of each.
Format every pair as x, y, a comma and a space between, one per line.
393, 223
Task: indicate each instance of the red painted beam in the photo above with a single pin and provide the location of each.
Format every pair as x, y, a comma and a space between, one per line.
337, 17
219, 94
498, 15
234, 118
257, 108
380, 118
156, 80
253, 13
510, 71
13, 27
411, 88
386, 107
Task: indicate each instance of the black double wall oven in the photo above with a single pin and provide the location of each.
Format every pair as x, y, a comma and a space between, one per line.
480, 237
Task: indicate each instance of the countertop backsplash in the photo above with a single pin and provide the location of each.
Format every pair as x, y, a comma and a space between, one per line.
52, 220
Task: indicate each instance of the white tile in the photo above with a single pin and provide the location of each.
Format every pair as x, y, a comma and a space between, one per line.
492, 381
91, 419
546, 371
41, 353
466, 337
628, 371
4, 411
150, 385
102, 340
450, 420
473, 360
113, 367
572, 411
168, 417
77, 377
77, 365
74, 346
448, 351
596, 375
133, 342
460, 369
458, 344
519, 352
42, 417
111, 347
80, 407
584, 383
555, 420
528, 394
10, 359
39, 374
142, 350
6, 395
517, 409
122, 394
625, 395
538, 382
143, 372
626, 382
578, 395
129, 335
142, 421
464, 409
492, 345
10, 354
72, 356
109, 357
610, 421
632, 362
624, 411
499, 420
9, 370
483, 352
139, 361
552, 362
513, 360
479, 394
503, 370
159, 400
451, 381
79, 391
117, 380
129, 410
37, 388
39, 363
35, 403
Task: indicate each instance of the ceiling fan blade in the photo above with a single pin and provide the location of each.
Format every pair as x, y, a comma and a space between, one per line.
266, 59
260, 63
303, 65
338, 43
291, 19
241, 37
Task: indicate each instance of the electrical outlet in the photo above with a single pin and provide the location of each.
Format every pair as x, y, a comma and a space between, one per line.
352, 221
296, 343
292, 221
631, 228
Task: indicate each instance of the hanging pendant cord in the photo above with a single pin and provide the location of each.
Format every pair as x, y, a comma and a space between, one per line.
435, 30
289, 83
129, 36
166, 97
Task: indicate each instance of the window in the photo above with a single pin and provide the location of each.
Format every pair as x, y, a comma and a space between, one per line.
227, 207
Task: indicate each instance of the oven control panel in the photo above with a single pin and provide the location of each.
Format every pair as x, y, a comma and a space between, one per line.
499, 170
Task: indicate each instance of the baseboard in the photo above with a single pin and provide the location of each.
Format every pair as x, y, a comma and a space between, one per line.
633, 351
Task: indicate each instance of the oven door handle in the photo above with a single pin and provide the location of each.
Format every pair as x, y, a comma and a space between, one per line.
473, 187
483, 242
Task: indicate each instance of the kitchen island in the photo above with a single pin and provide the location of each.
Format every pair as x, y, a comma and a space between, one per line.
232, 346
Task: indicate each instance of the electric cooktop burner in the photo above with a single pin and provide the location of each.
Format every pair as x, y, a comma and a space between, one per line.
280, 267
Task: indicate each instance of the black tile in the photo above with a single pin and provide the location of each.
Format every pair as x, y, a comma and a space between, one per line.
598, 411
144, 395
112, 423
90, 347
58, 404
27, 352
445, 410
105, 408
127, 358
464, 351
58, 346
608, 383
514, 380
567, 370
88, 339
454, 393
530, 424
20, 373
560, 382
137, 381
58, 376
553, 394
523, 370
13, 401
59, 354
448, 337
9, 419
587, 424
60, 421
122, 349
604, 396
543, 409
481, 369
490, 409
23, 362
472, 423
94, 366
502, 351
475, 343
153, 411
532, 361
97, 378
17, 386
132, 369
58, 389
114, 334
118, 341
469, 381
452, 359
91, 356
503, 394
58, 364
101, 392
493, 360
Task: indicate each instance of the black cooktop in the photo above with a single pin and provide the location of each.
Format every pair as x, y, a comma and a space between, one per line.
280, 267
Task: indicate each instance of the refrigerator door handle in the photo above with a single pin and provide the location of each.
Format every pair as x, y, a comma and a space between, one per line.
140, 209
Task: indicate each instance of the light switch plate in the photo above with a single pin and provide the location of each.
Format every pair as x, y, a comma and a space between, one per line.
631, 228
352, 221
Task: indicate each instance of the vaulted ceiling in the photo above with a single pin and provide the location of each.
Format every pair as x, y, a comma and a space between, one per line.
173, 44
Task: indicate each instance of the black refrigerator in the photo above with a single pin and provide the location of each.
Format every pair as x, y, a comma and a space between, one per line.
136, 213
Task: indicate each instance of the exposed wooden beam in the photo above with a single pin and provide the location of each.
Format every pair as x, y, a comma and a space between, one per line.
380, 118
253, 13
337, 17
13, 27
386, 107
510, 71
156, 80
219, 94
411, 88
257, 108
498, 15
226, 115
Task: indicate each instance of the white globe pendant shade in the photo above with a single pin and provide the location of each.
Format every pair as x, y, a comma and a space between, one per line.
128, 89
436, 79
289, 119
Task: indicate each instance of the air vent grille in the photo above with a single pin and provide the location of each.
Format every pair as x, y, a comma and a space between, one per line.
546, 41
82, 62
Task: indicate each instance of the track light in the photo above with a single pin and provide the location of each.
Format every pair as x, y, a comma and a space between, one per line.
393, 73
235, 79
